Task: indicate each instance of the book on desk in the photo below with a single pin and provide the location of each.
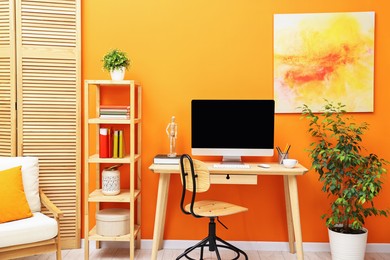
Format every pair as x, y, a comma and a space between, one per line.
164, 159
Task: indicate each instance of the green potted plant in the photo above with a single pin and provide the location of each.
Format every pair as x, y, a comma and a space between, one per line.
351, 176
116, 61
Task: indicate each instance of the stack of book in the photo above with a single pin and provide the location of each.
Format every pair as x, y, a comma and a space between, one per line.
119, 112
164, 159
111, 143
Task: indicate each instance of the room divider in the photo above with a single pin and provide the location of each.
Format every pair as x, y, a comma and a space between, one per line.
40, 97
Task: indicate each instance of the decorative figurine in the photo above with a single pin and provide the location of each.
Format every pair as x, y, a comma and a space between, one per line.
171, 131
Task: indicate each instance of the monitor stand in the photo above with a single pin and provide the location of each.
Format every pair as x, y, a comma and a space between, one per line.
231, 160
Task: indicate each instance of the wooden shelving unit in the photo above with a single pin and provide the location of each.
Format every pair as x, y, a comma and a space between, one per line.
130, 195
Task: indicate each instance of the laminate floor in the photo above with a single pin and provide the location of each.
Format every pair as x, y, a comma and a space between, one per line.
170, 254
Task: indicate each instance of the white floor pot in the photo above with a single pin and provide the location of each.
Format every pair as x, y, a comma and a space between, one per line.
347, 246
118, 74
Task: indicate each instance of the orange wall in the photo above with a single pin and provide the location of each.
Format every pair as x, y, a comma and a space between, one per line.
183, 50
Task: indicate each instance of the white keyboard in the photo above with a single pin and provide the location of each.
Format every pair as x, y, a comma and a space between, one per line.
231, 166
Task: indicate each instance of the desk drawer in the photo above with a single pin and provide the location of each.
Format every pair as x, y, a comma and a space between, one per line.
233, 179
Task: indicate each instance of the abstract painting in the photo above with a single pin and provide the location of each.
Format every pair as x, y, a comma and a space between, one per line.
324, 56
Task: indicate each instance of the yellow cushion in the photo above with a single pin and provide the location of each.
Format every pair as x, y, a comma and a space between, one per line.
13, 202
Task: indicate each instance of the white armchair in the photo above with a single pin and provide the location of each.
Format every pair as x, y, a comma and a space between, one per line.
31, 235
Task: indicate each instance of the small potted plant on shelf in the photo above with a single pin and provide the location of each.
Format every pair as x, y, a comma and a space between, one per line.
351, 177
116, 62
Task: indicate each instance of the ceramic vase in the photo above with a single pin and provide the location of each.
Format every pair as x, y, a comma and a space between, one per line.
111, 183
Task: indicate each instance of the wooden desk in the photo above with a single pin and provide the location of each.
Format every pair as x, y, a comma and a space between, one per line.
240, 176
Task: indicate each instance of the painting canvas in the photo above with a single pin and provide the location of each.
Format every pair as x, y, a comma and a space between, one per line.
324, 56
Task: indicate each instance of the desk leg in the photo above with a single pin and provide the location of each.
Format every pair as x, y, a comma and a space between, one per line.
290, 226
293, 191
159, 220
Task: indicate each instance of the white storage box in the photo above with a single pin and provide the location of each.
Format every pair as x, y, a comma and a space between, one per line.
113, 222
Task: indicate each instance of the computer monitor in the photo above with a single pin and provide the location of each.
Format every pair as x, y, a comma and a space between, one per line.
232, 128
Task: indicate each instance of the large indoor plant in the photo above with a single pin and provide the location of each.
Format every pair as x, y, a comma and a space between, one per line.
351, 176
116, 62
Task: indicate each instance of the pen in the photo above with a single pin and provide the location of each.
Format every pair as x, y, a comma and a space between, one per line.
288, 148
279, 151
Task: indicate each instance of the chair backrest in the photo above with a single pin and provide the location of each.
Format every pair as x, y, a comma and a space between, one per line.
30, 176
195, 177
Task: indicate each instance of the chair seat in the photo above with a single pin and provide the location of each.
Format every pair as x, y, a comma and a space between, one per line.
39, 227
212, 208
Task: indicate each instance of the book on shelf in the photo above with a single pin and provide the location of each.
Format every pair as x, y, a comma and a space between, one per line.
109, 134
115, 116
114, 107
115, 144
121, 152
164, 159
119, 112
111, 143
103, 143
118, 149
114, 112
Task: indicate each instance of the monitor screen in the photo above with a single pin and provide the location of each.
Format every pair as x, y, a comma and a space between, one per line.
232, 128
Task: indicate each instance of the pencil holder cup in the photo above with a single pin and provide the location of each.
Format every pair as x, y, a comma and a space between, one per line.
282, 156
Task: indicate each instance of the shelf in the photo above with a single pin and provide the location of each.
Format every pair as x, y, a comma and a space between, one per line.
127, 159
112, 82
94, 164
127, 237
123, 196
113, 121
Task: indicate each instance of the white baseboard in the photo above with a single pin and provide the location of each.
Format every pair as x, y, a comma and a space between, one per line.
378, 248
245, 245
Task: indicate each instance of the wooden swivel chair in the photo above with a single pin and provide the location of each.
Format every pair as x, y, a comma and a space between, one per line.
195, 178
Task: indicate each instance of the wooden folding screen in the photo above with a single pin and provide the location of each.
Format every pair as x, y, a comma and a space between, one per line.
7, 79
48, 101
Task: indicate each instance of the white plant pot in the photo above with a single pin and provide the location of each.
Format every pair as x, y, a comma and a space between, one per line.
347, 246
118, 74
